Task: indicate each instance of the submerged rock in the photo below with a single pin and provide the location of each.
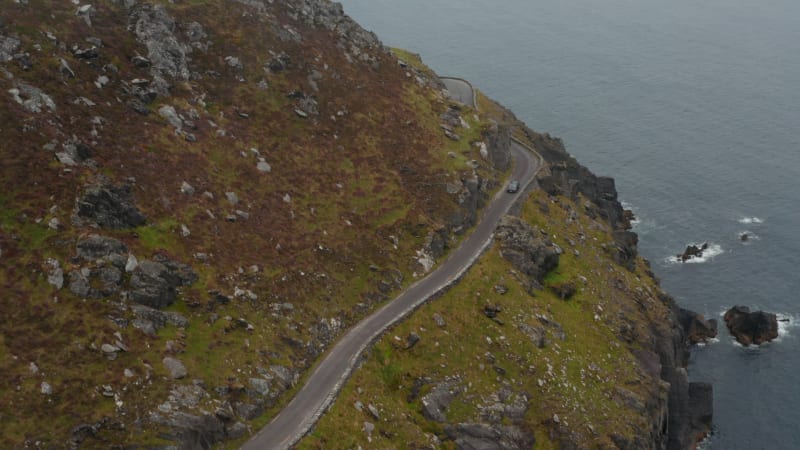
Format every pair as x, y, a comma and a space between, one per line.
751, 327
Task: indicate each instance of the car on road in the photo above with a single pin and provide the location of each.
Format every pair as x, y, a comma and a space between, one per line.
513, 186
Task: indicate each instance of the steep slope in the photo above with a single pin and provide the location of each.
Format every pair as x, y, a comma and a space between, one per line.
197, 198
559, 337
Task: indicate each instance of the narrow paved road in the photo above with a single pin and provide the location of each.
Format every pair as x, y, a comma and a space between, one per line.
460, 90
312, 400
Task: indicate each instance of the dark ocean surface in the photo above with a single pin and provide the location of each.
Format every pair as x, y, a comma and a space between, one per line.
694, 107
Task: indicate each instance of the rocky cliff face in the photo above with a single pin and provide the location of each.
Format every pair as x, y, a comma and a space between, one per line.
684, 413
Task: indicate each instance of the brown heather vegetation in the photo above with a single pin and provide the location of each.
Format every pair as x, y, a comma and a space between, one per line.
368, 171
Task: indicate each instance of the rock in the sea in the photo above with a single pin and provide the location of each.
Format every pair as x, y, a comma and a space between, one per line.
175, 367
692, 251
751, 327
109, 206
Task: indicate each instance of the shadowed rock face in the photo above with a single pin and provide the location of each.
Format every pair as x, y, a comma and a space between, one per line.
697, 328
109, 206
527, 249
751, 327
474, 436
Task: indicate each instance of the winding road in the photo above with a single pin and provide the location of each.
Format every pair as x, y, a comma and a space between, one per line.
297, 418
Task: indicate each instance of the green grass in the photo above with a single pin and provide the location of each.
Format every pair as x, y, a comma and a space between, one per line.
159, 235
580, 396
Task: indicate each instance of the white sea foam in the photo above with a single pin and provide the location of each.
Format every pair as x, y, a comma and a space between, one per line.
750, 236
749, 220
786, 323
712, 251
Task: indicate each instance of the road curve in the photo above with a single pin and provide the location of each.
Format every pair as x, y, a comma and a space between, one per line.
297, 418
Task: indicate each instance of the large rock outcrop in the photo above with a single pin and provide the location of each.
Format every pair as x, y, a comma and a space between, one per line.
109, 206
527, 248
751, 328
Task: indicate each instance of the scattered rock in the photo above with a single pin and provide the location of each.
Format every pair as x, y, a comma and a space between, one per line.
491, 311
412, 340
369, 428
8, 48
536, 334
263, 166
175, 367
32, 98
187, 188
232, 198
110, 351
45, 388
171, 116
439, 320
55, 274
751, 327
374, 411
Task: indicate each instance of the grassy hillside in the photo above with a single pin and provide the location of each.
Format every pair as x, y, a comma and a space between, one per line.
275, 148
574, 378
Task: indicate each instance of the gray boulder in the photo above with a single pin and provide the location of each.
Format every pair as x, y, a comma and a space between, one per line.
99, 282
97, 247
168, 58
175, 367
478, 436
8, 47
434, 405
151, 320
109, 206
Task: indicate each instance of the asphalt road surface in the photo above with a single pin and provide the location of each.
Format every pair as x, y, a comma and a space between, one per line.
459, 90
297, 418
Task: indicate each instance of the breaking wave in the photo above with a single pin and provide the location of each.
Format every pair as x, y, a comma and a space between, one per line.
749, 220
709, 254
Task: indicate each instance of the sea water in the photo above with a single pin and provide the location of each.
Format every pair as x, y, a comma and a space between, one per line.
694, 107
